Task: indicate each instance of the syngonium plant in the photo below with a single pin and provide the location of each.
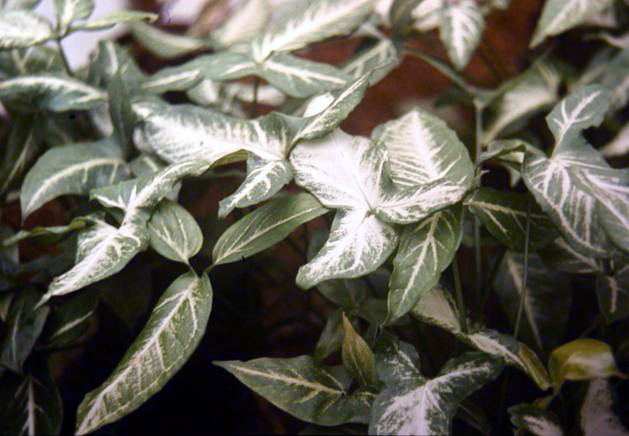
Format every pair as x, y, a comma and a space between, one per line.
400, 204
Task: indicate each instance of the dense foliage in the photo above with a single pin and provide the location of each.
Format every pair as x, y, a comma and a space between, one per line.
406, 233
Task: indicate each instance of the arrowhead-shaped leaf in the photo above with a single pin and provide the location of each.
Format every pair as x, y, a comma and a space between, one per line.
171, 334
319, 20
561, 15
428, 406
173, 232
306, 390
597, 414
72, 169
55, 93
22, 28
265, 226
505, 215
461, 29
398, 362
426, 249
358, 244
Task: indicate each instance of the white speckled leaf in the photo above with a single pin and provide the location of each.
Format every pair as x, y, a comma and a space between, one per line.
358, 244
72, 169
319, 20
597, 415
428, 406
535, 420
21, 28
461, 28
171, 334
561, 15
311, 392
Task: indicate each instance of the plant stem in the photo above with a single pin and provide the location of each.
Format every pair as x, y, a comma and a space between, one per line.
254, 104
63, 57
459, 294
478, 146
525, 268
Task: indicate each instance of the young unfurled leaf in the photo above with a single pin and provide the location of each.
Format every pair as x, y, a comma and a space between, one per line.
174, 233
313, 393
358, 244
31, 404
358, 359
504, 215
535, 420
68, 11
72, 169
612, 292
597, 415
428, 406
163, 44
331, 338
299, 77
546, 299
582, 359
171, 334
319, 20
25, 323
23, 28
55, 93
460, 30
561, 15
426, 249
265, 226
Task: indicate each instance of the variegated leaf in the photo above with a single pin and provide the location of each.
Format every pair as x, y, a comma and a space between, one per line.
535, 420
117, 17
426, 14
546, 300
52, 234
612, 292
597, 414
438, 307
9, 5
103, 250
425, 251
422, 149
460, 29
182, 133
428, 406
319, 20
561, 15
313, 393
505, 215
397, 361
171, 334
299, 77
358, 244
55, 93
533, 91
580, 110
31, 404
378, 59
68, 11
244, 24
173, 232
72, 169
163, 44
23, 28
265, 227
611, 74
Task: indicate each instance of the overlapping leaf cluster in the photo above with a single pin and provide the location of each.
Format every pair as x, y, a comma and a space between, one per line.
403, 201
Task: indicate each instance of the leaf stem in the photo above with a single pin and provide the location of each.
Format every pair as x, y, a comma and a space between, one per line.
459, 294
478, 134
63, 57
525, 268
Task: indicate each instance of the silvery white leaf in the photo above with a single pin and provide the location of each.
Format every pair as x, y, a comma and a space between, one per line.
427, 15
358, 244
23, 28
428, 406
597, 415
561, 15
55, 93
72, 169
299, 77
117, 17
170, 336
461, 28
319, 20
244, 24
535, 420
